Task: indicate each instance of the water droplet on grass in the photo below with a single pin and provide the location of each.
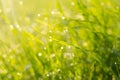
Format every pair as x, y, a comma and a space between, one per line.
17, 26
52, 12
4, 55
19, 74
50, 37
63, 17
21, 2
11, 26
38, 15
85, 44
44, 48
73, 4
62, 48
48, 75
50, 40
39, 54
50, 31
0, 11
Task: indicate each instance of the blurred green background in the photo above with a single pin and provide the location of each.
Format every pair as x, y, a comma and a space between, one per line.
59, 39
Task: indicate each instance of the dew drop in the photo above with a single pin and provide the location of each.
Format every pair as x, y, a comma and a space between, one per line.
50, 31
17, 26
48, 75
73, 4
62, 48
0, 11
19, 74
50, 40
38, 15
39, 54
50, 37
63, 17
11, 26
44, 48
85, 44
4, 55
21, 2
52, 12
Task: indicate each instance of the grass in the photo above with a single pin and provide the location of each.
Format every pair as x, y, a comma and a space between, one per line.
60, 40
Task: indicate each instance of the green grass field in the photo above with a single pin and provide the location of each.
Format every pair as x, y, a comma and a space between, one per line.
59, 39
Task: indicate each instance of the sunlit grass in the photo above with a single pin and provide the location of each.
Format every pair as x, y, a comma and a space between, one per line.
60, 40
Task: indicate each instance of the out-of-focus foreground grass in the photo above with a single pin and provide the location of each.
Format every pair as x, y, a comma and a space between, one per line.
59, 39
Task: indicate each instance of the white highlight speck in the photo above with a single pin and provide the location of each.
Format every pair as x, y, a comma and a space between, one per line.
62, 47
0, 11
38, 15
50, 37
52, 12
50, 31
45, 48
4, 55
39, 54
48, 75
11, 26
63, 17
50, 40
85, 44
21, 2
19, 74
17, 26
72, 3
